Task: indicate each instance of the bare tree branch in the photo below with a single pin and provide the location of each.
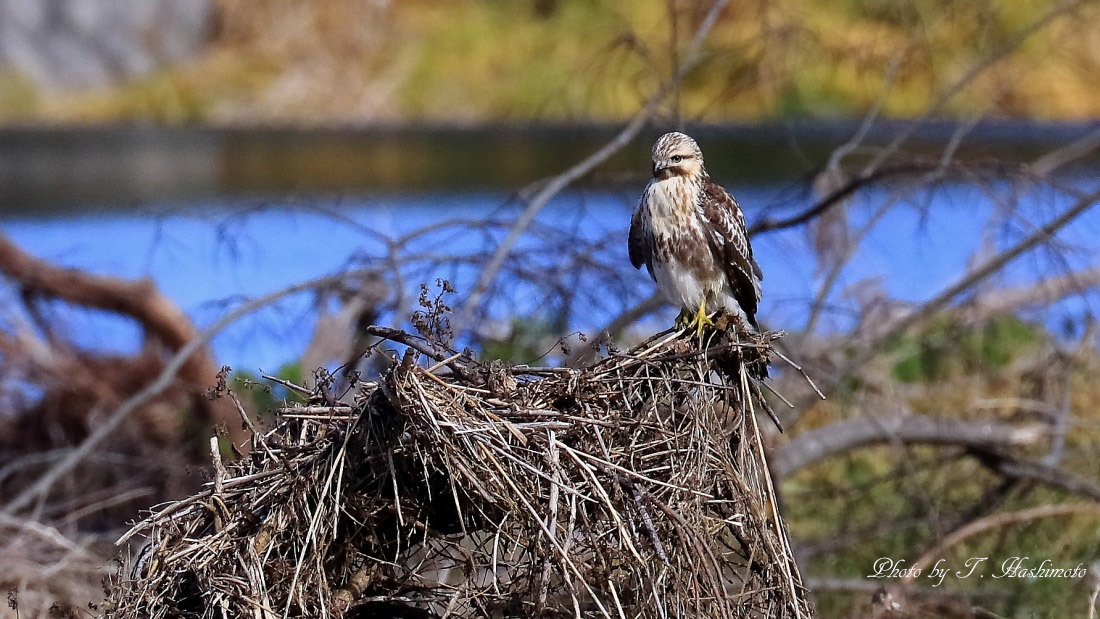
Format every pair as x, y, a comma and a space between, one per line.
1041, 293
1007, 465
837, 196
993, 265
955, 88
139, 299
1075, 150
980, 273
842, 436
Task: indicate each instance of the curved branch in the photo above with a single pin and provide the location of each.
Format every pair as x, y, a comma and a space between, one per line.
842, 436
1042, 293
1013, 468
140, 300
836, 197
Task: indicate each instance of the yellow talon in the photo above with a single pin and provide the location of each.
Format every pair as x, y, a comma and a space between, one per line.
700, 320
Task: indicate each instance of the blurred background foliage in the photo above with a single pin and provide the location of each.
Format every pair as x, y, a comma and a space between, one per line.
355, 61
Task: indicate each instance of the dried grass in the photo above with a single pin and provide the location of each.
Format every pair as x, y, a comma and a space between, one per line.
634, 488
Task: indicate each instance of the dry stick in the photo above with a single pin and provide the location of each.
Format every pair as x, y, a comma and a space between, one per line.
647, 521
426, 348
46, 481
551, 517
798, 368
993, 522
556, 184
624, 471
288, 384
610, 506
1077, 149
401, 337
219, 468
314, 520
788, 567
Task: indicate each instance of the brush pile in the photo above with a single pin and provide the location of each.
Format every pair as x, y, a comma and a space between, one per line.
634, 488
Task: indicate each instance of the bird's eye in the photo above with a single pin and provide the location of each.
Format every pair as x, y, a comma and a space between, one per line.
677, 159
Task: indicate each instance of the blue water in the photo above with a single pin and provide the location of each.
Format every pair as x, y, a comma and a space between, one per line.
208, 256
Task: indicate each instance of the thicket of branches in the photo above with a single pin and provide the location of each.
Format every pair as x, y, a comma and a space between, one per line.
962, 423
455, 487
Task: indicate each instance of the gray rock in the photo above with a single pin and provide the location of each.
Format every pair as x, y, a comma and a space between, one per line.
67, 44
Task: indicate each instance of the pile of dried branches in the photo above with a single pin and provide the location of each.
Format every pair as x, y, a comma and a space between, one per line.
634, 488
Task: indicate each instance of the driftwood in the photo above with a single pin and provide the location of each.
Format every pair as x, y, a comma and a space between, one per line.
77, 382
634, 488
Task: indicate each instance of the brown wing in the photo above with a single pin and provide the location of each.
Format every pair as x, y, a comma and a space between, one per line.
639, 244
729, 241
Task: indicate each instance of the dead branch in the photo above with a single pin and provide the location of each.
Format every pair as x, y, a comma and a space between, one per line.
1044, 292
1053, 161
993, 265
943, 299
139, 300
838, 196
843, 436
1013, 468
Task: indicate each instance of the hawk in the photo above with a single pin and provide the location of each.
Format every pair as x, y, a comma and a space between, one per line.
690, 234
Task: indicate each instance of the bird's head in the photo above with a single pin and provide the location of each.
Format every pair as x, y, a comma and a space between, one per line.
676, 154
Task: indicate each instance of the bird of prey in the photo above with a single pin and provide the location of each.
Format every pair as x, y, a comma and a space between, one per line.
690, 234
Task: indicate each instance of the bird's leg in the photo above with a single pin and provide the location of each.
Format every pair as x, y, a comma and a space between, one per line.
683, 319
700, 319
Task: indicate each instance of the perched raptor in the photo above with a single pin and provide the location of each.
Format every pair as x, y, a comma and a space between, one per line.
690, 235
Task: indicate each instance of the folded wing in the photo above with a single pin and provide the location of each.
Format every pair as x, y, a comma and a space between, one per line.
729, 241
